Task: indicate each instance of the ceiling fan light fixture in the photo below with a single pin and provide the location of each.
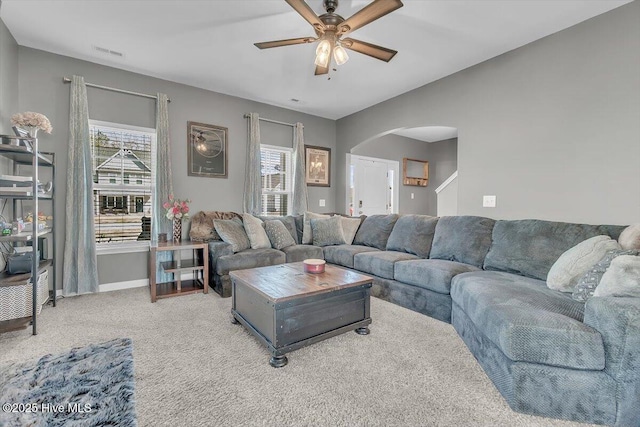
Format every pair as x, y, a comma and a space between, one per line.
340, 55
323, 47
323, 53
322, 60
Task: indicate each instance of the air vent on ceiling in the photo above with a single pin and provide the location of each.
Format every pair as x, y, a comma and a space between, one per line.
108, 51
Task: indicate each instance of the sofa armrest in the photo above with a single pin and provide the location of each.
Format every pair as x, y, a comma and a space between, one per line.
217, 249
618, 321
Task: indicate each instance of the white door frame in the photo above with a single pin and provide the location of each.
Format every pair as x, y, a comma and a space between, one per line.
393, 165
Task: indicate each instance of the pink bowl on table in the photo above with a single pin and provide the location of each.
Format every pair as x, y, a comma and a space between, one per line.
314, 266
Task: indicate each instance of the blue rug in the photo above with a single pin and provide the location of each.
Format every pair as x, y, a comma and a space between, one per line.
87, 386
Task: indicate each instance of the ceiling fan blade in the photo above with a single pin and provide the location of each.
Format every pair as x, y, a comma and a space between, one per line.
321, 70
378, 52
287, 42
368, 14
307, 13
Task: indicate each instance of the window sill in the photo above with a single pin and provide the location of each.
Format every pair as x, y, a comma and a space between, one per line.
121, 248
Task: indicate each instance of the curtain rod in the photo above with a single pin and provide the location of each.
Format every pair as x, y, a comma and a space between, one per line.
113, 89
246, 116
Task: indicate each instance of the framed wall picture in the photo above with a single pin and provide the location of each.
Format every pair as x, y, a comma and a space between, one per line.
317, 166
207, 150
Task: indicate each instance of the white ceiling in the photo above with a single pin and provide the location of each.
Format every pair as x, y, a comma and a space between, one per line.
209, 44
429, 133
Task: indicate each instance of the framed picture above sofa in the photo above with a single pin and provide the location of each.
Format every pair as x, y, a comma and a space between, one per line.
207, 147
317, 166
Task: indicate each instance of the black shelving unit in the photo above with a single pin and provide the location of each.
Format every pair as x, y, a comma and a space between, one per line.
24, 152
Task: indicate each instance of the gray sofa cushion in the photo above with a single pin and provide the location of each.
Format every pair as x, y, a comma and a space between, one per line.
278, 234
232, 232
288, 222
375, 231
298, 253
528, 321
249, 258
327, 231
343, 254
380, 263
465, 239
413, 234
529, 247
432, 274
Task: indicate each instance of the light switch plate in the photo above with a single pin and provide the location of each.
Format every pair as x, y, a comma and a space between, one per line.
488, 201
322, 202
412, 196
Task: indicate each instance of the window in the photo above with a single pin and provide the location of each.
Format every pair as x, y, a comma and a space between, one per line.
123, 180
277, 189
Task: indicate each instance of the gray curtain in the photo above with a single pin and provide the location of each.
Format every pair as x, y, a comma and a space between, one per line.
299, 186
164, 183
252, 184
80, 267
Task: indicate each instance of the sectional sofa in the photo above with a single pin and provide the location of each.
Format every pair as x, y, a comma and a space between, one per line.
546, 353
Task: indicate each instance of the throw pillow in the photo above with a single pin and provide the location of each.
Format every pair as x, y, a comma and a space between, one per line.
255, 232
574, 263
588, 283
630, 237
622, 278
375, 231
350, 228
413, 234
232, 232
327, 231
278, 234
307, 233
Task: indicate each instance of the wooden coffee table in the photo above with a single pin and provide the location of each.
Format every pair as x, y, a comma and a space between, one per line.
286, 308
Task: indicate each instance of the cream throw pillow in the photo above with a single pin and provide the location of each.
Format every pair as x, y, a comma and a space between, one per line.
630, 237
255, 231
574, 263
622, 278
307, 233
350, 228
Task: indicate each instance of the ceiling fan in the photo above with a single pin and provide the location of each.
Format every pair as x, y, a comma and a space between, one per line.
330, 29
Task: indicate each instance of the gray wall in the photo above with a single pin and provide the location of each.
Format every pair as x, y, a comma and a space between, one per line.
42, 90
8, 79
442, 158
8, 98
552, 128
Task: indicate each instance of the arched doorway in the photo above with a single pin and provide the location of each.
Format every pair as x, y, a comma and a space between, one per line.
435, 144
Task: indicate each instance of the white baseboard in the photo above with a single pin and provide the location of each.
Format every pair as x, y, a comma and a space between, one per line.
129, 284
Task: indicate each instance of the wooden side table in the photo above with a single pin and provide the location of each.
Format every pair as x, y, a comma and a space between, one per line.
177, 267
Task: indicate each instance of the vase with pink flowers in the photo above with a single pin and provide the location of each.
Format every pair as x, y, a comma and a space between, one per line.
177, 211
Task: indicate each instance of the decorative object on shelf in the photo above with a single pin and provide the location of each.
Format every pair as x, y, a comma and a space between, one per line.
177, 229
317, 166
177, 211
314, 266
207, 150
32, 122
162, 237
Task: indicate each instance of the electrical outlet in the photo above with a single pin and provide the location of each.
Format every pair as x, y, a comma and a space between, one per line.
322, 202
413, 196
489, 201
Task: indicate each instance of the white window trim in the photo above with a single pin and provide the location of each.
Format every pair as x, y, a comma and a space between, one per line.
133, 246
122, 247
285, 150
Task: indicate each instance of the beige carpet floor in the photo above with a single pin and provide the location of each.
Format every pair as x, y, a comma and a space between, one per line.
194, 368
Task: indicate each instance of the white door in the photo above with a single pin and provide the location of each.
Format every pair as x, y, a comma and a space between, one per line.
371, 185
